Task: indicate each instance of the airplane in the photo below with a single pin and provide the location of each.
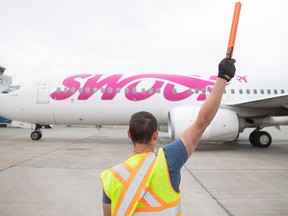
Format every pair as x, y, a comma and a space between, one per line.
249, 101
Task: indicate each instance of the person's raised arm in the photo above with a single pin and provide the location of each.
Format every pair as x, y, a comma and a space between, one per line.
207, 112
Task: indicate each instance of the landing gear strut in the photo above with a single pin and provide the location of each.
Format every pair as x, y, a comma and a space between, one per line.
37, 133
260, 138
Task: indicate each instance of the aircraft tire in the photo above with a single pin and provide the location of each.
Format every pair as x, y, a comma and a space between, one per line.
262, 139
252, 137
36, 135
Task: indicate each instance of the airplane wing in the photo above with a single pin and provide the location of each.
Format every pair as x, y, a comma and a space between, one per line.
264, 103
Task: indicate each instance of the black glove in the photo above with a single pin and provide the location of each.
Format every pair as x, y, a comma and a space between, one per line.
226, 69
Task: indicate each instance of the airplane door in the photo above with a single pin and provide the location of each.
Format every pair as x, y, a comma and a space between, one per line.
43, 91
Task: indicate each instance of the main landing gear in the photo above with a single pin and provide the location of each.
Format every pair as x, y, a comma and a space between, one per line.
260, 138
37, 133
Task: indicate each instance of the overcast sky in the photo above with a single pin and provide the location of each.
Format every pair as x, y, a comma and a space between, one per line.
140, 36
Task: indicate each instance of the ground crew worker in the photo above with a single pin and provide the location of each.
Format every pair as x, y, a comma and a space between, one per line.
147, 184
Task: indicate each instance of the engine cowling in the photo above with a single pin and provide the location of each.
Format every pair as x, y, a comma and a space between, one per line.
224, 127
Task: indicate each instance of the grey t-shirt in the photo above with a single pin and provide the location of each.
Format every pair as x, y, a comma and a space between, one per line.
176, 156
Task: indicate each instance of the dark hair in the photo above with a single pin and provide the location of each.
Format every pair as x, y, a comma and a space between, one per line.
142, 125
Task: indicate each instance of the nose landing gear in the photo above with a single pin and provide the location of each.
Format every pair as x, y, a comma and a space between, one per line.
37, 133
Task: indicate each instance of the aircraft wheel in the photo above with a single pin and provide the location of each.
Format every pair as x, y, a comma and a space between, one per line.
252, 137
36, 135
262, 139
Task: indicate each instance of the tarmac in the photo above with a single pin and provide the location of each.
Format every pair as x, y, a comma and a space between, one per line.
59, 174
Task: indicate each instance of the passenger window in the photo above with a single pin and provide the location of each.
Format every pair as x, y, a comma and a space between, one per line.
255, 91
248, 91
275, 91
110, 90
232, 91
73, 90
240, 91
87, 90
262, 91
268, 91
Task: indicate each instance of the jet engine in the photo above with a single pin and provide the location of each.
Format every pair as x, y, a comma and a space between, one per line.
224, 127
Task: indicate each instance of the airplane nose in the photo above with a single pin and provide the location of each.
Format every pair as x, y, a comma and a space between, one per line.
5, 89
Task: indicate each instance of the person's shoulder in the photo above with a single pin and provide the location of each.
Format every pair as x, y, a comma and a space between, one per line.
175, 147
175, 144
176, 155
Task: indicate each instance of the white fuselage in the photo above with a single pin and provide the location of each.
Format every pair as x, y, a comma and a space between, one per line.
111, 99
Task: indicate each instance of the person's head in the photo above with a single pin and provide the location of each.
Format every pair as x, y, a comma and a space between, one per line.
143, 128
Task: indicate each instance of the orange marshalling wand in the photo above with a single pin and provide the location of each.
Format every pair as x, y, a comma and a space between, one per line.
233, 30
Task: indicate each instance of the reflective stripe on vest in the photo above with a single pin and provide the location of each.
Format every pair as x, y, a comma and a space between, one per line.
149, 199
176, 210
134, 184
157, 207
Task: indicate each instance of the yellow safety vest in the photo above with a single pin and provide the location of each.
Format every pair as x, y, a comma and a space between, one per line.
141, 186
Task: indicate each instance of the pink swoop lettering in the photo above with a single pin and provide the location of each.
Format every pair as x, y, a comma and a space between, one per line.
165, 82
